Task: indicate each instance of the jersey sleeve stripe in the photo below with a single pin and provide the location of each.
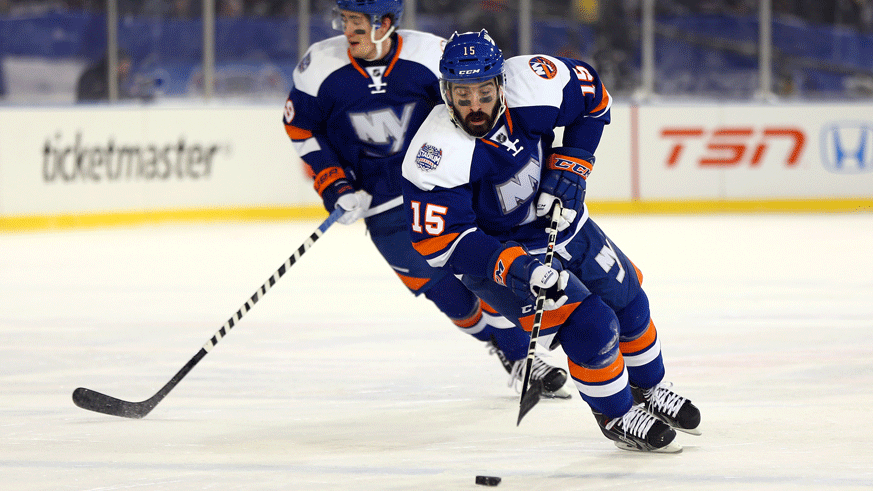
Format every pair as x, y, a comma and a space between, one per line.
605, 102
430, 246
296, 133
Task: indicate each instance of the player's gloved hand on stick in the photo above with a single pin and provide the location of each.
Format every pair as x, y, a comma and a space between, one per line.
567, 168
337, 192
525, 275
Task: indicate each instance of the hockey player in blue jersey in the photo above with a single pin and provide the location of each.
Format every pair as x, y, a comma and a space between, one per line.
481, 176
357, 100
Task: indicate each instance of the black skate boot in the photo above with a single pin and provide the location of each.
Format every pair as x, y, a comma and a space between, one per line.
639, 430
672, 408
552, 378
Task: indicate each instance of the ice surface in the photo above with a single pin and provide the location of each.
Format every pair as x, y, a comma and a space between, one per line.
339, 379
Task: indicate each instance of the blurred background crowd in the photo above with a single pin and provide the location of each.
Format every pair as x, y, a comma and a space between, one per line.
820, 49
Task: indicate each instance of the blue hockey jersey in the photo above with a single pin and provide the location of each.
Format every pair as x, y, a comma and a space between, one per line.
361, 115
465, 196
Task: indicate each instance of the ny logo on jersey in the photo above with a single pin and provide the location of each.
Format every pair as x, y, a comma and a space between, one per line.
502, 137
377, 87
383, 127
518, 189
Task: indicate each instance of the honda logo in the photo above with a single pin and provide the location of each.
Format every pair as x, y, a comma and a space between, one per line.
847, 147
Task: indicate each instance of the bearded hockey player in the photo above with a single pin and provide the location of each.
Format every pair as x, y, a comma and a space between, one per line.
480, 177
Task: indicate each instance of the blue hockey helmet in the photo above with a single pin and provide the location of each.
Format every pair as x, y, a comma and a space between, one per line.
376, 9
471, 57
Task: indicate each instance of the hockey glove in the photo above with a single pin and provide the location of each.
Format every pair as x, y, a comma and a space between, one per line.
525, 275
564, 180
337, 192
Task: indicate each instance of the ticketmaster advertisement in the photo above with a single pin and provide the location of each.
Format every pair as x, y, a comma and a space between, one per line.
99, 160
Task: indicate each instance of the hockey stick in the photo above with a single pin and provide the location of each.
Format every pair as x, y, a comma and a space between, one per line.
530, 396
102, 403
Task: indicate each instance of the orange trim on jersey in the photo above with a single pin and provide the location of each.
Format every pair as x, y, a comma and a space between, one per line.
396, 55
642, 342
355, 64
296, 133
431, 245
508, 120
487, 308
412, 282
308, 169
471, 320
327, 177
604, 101
597, 375
639, 273
504, 262
490, 143
551, 318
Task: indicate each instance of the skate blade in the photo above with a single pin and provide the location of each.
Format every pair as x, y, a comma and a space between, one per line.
561, 393
673, 447
692, 431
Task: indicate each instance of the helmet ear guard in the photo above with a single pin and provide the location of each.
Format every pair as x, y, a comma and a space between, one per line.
471, 58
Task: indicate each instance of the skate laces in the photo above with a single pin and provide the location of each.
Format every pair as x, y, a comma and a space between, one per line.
538, 371
637, 422
663, 399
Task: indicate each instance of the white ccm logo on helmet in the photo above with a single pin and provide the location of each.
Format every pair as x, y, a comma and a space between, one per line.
468, 72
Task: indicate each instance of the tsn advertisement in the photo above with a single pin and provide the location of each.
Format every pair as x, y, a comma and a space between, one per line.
754, 152
95, 159
98, 160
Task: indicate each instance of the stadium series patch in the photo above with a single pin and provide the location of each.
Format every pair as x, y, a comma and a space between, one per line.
428, 157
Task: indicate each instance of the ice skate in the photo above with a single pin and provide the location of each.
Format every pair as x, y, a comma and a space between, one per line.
639, 430
672, 408
552, 378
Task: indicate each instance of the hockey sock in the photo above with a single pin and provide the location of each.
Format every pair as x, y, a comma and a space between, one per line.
589, 337
639, 343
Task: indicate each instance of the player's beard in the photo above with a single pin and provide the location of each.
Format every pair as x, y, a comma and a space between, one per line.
483, 126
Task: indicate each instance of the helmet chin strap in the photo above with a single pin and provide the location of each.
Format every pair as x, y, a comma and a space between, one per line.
379, 42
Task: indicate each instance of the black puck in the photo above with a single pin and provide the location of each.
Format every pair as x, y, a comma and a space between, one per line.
487, 480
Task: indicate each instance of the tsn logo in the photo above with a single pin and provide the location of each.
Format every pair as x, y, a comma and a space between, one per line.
726, 146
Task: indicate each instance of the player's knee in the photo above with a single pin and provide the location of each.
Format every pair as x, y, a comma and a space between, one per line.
634, 318
453, 298
589, 336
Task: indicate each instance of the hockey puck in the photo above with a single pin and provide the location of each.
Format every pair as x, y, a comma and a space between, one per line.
487, 480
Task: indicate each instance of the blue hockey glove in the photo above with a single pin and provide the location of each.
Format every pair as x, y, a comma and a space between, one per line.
524, 274
567, 168
337, 192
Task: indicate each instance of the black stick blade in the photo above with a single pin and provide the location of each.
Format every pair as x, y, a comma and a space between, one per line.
102, 403
530, 399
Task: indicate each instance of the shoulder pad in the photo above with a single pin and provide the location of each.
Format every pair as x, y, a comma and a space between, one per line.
440, 154
320, 60
535, 80
422, 47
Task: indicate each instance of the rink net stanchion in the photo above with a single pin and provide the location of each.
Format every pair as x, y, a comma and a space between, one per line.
102, 403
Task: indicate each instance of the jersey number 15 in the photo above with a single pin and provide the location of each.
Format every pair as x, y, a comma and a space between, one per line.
434, 223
